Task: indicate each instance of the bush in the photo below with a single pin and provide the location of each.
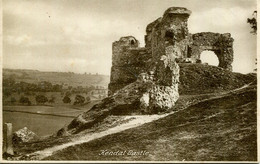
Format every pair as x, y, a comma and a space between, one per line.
79, 99
66, 100
6, 92
41, 99
25, 100
87, 99
13, 100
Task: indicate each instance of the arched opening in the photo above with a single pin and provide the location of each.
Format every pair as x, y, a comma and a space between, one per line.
169, 37
209, 57
132, 42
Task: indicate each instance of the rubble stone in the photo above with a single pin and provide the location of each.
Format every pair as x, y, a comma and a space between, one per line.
24, 135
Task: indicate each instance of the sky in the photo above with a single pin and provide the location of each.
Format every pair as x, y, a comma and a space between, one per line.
77, 35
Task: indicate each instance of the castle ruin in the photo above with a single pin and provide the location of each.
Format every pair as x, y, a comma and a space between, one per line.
145, 80
167, 42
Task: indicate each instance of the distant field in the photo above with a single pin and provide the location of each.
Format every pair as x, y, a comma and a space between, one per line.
62, 111
46, 120
43, 120
42, 125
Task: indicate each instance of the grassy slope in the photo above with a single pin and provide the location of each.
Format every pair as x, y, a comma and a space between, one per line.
199, 78
220, 129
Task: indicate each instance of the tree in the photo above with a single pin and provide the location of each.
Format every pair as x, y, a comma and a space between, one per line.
68, 93
13, 100
57, 88
87, 99
79, 99
25, 100
66, 99
253, 22
45, 86
7, 91
41, 99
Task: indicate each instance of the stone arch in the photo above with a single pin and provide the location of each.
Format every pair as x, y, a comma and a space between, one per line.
132, 41
220, 44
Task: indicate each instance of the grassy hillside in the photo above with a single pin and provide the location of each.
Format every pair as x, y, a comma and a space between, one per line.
222, 129
213, 121
200, 78
68, 78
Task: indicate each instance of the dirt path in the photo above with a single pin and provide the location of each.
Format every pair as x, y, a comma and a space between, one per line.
134, 122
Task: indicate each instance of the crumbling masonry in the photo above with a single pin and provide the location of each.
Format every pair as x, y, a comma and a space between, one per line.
167, 42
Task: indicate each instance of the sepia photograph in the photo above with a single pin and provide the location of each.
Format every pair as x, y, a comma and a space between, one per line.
129, 81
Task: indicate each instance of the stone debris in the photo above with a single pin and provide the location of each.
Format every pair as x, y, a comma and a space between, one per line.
24, 135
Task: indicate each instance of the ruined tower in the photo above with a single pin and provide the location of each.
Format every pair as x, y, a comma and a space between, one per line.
128, 61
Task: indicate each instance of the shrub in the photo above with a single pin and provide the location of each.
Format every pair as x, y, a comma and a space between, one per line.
41, 99
79, 99
66, 100
87, 99
13, 100
25, 100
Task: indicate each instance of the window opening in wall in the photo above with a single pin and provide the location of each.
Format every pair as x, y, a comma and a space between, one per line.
209, 57
132, 42
169, 37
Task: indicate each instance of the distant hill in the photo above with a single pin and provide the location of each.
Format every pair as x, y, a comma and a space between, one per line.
66, 78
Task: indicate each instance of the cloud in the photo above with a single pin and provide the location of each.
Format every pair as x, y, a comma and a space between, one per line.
81, 32
220, 19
